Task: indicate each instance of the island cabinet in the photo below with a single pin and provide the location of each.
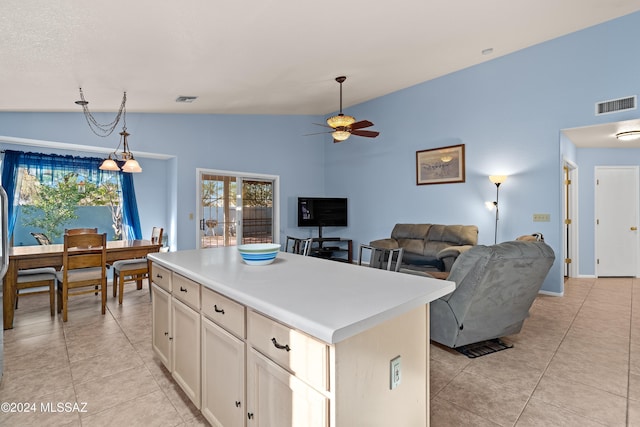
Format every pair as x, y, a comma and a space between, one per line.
223, 360
349, 347
176, 328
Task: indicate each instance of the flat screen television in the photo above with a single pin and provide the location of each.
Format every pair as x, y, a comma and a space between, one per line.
322, 212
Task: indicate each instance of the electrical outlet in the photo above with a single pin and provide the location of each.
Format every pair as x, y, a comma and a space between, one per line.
539, 217
395, 372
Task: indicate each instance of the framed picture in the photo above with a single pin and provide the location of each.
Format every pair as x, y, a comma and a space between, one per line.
440, 165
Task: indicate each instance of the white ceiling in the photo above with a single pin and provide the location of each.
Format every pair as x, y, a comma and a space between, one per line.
259, 56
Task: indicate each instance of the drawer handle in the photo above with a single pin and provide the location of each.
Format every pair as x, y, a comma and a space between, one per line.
250, 415
280, 346
183, 289
237, 403
218, 310
158, 276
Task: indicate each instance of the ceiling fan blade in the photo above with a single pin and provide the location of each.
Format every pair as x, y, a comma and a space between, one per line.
361, 124
323, 125
316, 133
365, 133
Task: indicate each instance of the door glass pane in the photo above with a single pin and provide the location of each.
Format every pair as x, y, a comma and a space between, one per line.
257, 211
218, 214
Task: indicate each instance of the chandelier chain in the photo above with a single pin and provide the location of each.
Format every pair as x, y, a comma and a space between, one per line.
102, 130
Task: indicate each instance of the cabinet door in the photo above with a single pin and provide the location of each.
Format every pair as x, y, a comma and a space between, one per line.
161, 336
185, 349
223, 363
275, 397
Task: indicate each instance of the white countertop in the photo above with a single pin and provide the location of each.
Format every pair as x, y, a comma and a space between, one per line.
326, 299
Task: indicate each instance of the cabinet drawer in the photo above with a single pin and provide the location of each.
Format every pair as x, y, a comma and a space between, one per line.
186, 291
306, 357
223, 311
161, 276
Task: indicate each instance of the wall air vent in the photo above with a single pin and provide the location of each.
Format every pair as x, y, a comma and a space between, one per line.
616, 105
187, 99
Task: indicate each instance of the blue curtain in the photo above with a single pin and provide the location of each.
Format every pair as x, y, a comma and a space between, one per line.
48, 168
10, 166
130, 218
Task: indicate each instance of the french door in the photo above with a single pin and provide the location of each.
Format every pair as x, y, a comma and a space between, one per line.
236, 208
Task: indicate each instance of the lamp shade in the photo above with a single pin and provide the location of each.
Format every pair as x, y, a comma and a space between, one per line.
131, 166
109, 165
497, 179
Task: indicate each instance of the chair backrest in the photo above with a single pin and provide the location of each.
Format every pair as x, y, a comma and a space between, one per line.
156, 235
73, 231
298, 246
382, 258
84, 251
41, 238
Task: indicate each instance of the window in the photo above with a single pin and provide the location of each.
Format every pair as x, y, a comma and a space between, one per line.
48, 193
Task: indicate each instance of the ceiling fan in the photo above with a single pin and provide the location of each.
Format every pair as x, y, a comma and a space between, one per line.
344, 126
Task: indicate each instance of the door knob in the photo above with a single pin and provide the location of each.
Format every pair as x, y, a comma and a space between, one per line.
634, 228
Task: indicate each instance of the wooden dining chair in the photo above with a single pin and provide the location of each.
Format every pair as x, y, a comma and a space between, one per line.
73, 231
37, 281
137, 269
84, 265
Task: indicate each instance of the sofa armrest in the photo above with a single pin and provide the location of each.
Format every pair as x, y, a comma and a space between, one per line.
449, 254
385, 243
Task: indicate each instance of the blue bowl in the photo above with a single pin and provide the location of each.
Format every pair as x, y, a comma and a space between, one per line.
259, 253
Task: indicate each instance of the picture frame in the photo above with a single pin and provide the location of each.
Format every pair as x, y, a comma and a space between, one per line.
444, 165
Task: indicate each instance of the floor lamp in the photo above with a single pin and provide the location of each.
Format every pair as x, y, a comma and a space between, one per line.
497, 180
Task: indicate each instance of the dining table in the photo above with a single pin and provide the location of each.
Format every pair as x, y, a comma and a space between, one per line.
25, 257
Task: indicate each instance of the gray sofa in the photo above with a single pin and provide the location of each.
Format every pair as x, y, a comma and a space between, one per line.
429, 246
495, 287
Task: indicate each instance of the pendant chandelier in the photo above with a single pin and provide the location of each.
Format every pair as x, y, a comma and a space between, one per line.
124, 160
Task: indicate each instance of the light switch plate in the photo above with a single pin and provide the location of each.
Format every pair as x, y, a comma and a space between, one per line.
541, 217
395, 372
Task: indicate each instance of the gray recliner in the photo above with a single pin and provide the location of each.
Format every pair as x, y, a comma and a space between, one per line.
495, 287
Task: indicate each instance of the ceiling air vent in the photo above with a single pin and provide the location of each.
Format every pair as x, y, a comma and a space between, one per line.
187, 99
616, 105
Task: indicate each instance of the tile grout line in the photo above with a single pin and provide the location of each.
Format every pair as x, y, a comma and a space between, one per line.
544, 371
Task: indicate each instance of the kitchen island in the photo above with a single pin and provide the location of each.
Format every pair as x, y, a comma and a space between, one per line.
301, 342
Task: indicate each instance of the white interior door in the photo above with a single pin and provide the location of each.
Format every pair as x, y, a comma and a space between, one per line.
616, 220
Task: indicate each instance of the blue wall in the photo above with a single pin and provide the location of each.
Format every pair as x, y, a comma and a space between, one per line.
508, 112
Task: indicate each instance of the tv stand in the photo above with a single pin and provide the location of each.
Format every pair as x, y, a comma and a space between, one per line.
334, 248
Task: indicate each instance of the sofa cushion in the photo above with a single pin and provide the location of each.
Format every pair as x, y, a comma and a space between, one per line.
453, 234
411, 237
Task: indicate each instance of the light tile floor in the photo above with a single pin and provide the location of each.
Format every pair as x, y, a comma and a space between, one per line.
103, 361
575, 363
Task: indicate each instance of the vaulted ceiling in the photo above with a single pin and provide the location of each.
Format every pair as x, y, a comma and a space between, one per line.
259, 56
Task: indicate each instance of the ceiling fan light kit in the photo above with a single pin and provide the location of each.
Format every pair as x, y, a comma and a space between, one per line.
344, 126
340, 135
340, 121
